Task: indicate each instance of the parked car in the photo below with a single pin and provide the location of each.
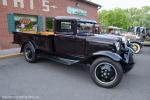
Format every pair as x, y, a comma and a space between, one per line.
135, 42
72, 41
147, 38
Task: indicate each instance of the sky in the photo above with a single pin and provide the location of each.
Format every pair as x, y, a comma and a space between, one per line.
110, 4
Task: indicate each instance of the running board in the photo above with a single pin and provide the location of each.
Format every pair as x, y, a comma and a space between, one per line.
60, 60
63, 60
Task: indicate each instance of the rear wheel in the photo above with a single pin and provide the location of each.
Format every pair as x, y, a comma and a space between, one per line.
29, 53
106, 72
136, 48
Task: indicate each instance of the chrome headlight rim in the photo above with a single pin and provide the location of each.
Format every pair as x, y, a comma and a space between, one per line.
124, 39
117, 45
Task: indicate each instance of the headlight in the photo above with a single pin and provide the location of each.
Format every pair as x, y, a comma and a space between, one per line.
124, 39
137, 37
117, 44
128, 39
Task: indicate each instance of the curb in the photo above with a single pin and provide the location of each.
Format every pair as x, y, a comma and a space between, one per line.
10, 56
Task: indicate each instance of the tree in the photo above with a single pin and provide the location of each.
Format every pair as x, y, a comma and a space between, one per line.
116, 17
139, 17
124, 18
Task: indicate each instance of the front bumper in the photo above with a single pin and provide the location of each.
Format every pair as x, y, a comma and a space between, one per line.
128, 60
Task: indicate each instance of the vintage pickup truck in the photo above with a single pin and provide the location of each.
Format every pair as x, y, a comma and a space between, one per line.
73, 41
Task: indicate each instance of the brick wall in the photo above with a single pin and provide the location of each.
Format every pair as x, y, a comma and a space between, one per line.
61, 10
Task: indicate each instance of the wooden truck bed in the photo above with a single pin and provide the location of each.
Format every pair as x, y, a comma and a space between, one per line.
43, 40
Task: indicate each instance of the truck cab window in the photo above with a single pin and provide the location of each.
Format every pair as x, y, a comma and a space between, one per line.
64, 26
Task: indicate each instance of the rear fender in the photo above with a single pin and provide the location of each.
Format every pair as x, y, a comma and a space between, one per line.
26, 42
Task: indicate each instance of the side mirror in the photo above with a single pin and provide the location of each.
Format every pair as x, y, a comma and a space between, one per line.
78, 25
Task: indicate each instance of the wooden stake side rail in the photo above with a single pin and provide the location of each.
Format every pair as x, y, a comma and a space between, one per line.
40, 33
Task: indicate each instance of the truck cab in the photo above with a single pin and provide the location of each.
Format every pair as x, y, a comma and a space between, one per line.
72, 41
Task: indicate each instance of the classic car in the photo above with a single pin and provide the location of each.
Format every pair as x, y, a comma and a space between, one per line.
147, 38
134, 41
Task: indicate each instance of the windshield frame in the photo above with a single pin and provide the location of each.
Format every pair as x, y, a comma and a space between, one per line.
85, 29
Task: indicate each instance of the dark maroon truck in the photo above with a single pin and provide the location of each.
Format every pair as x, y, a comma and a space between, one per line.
73, 42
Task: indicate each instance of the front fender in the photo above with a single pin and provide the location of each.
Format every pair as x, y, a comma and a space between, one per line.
138, 42
109, 54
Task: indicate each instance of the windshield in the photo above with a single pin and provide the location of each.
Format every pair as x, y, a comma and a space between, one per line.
85, 27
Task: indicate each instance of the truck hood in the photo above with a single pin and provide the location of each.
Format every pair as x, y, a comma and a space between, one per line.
103, 38
113, 36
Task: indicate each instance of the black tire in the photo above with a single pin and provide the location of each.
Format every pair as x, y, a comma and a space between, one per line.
136, 48
29, 53
116, 71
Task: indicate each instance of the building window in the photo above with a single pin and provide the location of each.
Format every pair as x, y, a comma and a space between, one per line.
25, 23
49, 24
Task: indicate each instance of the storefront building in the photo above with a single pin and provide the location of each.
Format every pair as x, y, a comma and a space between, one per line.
32, 15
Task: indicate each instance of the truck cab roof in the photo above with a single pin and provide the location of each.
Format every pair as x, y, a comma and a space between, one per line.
75, 18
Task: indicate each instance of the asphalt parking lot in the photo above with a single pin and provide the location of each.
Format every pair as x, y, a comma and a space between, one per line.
53, 81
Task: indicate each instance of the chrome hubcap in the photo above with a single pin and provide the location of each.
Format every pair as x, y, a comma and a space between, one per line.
135, 48
105, 72
28, 53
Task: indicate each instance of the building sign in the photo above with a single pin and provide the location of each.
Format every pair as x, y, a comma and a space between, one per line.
21, 3
18, 3
76, 11
25, 21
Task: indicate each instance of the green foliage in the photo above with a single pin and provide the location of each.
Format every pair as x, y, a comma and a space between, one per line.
49, 24
124, 18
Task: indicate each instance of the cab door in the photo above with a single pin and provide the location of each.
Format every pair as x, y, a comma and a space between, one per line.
66, 42
69, 45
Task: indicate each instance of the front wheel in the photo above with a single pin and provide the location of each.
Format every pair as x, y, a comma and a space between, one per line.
136, 48
106, 72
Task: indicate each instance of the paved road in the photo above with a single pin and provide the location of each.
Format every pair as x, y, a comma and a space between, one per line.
52, 81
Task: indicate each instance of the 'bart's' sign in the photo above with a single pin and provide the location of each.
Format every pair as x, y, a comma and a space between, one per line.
20, 3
